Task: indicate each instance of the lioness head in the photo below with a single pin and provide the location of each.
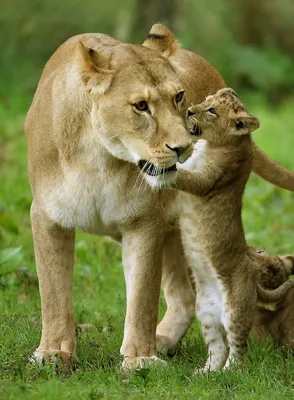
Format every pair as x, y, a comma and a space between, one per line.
135, 101
220, 117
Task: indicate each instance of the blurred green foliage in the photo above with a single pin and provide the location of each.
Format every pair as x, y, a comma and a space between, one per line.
250, 42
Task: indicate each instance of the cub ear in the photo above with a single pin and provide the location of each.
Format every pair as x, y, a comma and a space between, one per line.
161, 39
245, 124
288, 261
93, 69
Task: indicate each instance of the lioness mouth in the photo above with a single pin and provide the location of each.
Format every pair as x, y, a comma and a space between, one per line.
195, 130
153, 170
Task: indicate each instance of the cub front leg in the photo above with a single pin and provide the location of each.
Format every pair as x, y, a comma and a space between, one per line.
142, 259
198, 183
54, 252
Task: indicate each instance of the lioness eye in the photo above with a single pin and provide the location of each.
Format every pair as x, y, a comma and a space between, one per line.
141, 105
179, 97
211, 111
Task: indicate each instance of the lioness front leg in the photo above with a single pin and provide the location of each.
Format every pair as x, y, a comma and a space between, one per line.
54, 252
142, 259
178, 293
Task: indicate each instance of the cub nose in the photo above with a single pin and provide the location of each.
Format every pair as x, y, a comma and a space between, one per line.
189, 113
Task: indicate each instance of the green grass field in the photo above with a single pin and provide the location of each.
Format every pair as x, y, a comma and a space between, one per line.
99, 295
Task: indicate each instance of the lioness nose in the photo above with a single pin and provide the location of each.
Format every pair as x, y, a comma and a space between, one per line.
179, 150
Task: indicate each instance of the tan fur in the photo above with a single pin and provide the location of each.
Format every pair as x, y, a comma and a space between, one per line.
212, 230
85, 141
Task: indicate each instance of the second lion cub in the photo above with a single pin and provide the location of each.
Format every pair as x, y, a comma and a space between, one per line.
212, 230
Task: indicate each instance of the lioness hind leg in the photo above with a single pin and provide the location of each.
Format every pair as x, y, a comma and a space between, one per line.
54, 252
179, 296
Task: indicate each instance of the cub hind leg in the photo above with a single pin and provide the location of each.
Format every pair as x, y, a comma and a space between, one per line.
209, 310
209, 304
238, 313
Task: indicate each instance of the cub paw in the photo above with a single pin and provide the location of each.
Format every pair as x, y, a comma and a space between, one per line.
205, 370
209, 367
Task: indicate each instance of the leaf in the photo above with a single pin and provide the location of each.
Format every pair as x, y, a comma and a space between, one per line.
9, 253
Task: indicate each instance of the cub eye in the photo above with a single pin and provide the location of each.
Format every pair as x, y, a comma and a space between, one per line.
179, 97
141, 106
239, 124
211, 111
260, 251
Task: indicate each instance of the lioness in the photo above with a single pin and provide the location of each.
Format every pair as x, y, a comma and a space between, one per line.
105, 115
211, 226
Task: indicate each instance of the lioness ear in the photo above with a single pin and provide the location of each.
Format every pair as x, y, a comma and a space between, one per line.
161, 39
93, 69
244, 124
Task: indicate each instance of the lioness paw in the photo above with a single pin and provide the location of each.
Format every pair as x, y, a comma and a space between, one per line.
165, 345
132, 363
62, 362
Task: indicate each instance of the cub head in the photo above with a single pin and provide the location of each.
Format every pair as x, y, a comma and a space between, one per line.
220, 118
273, 270
135, 103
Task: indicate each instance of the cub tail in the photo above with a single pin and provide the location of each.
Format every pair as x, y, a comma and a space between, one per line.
275, 295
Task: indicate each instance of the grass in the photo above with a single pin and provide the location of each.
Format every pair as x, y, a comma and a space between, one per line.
99, 295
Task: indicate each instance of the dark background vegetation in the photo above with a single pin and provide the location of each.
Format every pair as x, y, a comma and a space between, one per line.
251, 42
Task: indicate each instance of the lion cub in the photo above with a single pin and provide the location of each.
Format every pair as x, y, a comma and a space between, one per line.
212, 230
278, 322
